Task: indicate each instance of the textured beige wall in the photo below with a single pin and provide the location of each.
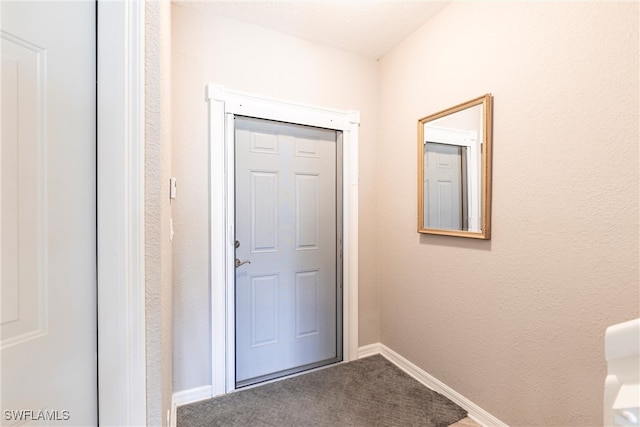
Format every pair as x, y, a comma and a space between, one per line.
207, 49
158, 210
516, 324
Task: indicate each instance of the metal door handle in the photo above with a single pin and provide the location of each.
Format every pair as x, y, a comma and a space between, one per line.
239, 263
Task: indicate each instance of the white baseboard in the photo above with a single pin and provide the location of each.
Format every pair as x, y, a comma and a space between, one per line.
369, 350
188, 396
476, 413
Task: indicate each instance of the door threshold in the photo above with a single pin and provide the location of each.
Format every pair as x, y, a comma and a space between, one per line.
289, 373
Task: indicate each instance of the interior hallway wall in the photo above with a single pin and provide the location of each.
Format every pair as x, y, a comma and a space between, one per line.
516, 324
158, 251
208, 49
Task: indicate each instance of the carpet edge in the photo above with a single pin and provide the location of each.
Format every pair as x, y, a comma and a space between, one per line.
475, 412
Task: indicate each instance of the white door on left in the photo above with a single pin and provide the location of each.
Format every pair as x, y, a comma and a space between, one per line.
48, 213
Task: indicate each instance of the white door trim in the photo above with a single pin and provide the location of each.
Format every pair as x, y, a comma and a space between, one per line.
120, 193
223, 104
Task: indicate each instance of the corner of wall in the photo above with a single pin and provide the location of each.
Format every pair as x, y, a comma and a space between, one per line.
158, 211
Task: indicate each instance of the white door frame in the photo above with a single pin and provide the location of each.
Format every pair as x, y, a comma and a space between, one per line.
223, 104
120, 194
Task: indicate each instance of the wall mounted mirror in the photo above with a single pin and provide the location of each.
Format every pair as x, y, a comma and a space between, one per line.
454, 170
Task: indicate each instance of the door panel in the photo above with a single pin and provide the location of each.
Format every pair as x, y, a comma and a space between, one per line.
286, 225
264, 211
47, 184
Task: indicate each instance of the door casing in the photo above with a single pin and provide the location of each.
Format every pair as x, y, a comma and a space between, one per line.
122, 361
223, 106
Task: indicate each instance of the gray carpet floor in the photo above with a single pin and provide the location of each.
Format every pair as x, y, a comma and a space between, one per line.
366, 392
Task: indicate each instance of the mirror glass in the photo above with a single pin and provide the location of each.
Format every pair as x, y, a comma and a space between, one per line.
454, 170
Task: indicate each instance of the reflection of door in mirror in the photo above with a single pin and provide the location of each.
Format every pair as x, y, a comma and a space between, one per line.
466, 144
445, 189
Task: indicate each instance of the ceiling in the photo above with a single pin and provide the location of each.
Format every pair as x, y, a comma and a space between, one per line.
366, 27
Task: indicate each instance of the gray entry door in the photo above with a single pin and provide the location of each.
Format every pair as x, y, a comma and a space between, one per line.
288, 308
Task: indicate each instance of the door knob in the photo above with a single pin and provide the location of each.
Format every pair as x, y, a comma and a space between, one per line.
239, 263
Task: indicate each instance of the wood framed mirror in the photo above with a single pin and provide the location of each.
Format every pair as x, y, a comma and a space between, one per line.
454, 170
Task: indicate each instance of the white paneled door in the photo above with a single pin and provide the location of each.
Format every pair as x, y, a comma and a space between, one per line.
287, 227
48, 214
442, 186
